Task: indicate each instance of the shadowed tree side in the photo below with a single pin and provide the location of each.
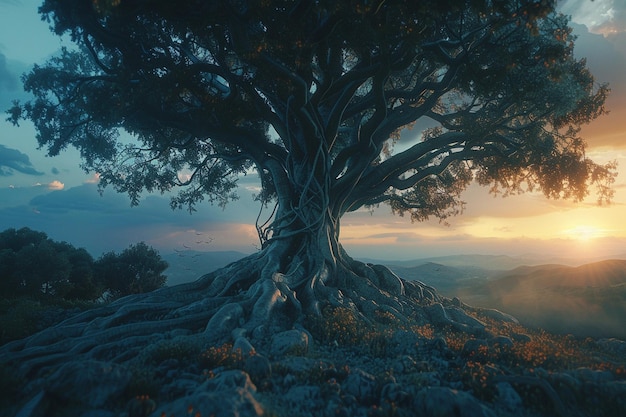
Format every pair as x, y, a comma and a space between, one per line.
312, 97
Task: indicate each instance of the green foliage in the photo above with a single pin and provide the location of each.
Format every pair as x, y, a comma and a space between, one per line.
10, 385
313, 95
183, 350
140, 406
221, 356
19, 318
337, 325
144, 382
63, 272
342, 326
135, 270
33, 294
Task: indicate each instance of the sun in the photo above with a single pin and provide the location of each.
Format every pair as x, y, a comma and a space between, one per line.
583, 233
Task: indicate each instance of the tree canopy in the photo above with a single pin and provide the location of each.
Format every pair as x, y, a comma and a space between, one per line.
313, 95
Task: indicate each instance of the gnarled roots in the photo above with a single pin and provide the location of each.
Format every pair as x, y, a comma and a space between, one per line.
250, 295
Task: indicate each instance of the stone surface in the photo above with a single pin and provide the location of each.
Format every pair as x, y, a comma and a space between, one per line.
244, 346
91, 383
361, 385
418, 373
227, 394
236, 403
258, 367
507, 397
295, 342
304, 398
613, 345
445, 402
225, 320
492, 313
35, 407
455, 317
475, 349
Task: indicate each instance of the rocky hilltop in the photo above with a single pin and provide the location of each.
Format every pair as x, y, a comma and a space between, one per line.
449, 359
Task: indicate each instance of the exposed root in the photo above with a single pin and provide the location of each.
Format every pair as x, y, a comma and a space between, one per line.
559, 407
250, 295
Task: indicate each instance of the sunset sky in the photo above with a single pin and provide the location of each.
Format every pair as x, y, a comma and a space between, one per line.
55, 196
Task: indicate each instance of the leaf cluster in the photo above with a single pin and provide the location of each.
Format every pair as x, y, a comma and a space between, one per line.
35, 266
314, 96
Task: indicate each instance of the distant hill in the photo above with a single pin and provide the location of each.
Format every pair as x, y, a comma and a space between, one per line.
491, 262
603, 273
189, 265
585, 300
448, 280
588, 300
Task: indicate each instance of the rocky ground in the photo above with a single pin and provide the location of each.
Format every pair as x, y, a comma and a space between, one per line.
458, 361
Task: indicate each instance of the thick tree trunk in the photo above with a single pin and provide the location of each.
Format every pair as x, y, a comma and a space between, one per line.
273, 290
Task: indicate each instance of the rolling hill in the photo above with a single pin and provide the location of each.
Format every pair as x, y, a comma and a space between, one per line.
585, 300
588, 300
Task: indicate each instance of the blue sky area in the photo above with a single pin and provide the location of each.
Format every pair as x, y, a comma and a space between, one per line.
55, 196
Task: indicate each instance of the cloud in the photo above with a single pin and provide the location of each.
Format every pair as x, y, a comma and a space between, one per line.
606, 59
94, 179
83, 217
10, 85
616, 20
56, 185
12, 160
8, 80
604, 17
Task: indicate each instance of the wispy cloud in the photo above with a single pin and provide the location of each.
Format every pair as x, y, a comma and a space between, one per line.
8, 80
12, 160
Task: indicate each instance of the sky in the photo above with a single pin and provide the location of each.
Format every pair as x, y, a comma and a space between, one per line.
55, 196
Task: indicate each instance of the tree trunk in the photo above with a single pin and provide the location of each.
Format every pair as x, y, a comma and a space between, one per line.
291, 279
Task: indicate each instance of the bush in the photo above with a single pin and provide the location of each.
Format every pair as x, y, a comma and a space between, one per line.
21, 317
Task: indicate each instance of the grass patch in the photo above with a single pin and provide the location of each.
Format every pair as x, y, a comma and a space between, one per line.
22, 317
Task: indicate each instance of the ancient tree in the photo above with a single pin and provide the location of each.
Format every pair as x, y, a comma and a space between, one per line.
312, 96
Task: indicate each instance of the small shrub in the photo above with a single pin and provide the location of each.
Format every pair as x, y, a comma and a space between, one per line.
426, 331
338, 325
221, 356
19, 318
144, 383
10, 386
181, 350
22, 317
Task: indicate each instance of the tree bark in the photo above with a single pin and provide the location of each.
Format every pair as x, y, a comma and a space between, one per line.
278, 288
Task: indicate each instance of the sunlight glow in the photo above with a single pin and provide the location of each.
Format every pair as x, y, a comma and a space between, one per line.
583, 233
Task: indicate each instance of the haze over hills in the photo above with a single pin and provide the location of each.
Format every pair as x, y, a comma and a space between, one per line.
588, 300
189, 265
585, 300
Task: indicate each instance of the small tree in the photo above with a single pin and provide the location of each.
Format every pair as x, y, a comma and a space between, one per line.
33, 265
9, 283
14, 240
83, 285
312, 96
42, 271
135, 270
